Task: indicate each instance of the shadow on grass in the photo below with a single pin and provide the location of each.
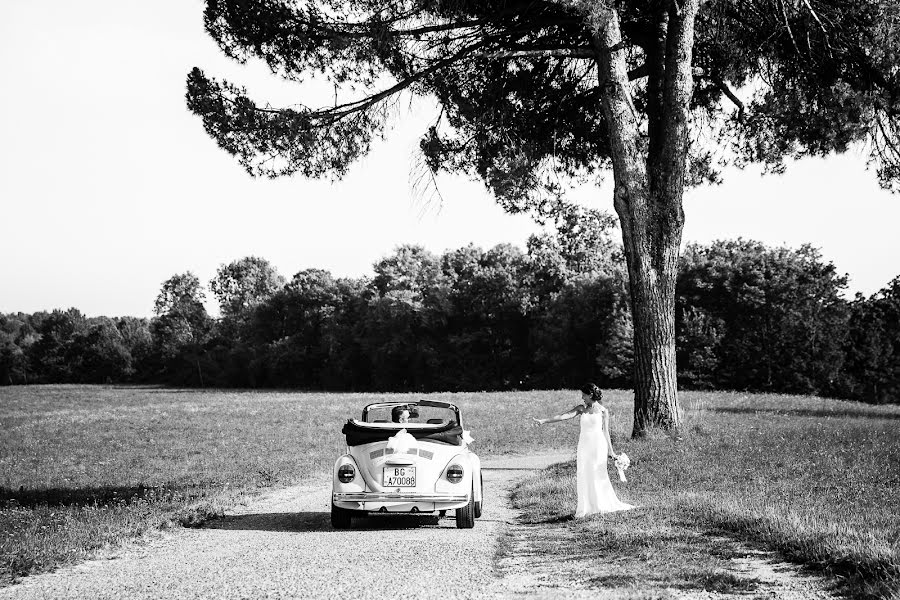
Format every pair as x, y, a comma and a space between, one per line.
286, 522
155, 388
720, 582
298, 522
715, 581
87, 496
804, 412
615, 580
549, 520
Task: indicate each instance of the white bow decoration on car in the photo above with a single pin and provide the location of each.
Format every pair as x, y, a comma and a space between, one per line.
402, 442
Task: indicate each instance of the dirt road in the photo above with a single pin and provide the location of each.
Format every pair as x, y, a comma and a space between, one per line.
283, 546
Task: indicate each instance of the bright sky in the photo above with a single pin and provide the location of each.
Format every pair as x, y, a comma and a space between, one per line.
108, 185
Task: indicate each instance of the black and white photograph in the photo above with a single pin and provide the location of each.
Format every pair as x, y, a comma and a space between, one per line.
450, 299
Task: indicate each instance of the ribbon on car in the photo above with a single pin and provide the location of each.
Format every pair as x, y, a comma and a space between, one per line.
402, 442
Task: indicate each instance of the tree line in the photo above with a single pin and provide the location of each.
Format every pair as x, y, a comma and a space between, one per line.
748, 317
533, 96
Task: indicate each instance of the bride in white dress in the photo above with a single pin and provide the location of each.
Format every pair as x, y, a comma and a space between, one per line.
595, 492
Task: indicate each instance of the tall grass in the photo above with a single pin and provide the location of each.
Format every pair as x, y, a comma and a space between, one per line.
82, 467
818, 480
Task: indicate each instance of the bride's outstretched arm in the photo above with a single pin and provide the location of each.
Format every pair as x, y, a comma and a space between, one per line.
571, 414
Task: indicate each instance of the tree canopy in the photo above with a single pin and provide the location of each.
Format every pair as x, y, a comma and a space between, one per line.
518, 87
754, 317
243, 284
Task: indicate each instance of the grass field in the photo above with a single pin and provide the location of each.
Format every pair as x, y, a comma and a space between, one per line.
83, 467
817, 480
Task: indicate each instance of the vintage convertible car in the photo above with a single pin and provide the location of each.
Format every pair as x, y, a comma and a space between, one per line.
407, 457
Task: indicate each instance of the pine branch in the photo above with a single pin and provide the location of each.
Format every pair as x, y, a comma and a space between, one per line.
338, 112
723, 87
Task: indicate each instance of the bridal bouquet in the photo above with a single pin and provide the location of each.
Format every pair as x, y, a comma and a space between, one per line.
622, 463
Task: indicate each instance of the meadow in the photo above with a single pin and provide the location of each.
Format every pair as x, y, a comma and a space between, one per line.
816, 480
86, 467
83, 468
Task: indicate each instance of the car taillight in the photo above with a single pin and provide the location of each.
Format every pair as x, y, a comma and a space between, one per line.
454, 473
346, 473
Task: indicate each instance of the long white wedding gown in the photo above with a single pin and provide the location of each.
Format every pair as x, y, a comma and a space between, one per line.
595, 492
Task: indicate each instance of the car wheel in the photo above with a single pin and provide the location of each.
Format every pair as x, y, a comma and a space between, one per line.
341, 518
479, 503
465, 516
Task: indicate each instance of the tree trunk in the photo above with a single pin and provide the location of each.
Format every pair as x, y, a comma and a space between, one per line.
199, 371
649, 180
651, 273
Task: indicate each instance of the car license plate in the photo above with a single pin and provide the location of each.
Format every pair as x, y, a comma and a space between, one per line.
399, 477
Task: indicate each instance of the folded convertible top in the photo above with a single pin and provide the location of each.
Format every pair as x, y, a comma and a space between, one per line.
359, 433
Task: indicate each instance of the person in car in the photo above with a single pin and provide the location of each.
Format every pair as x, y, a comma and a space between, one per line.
400, 414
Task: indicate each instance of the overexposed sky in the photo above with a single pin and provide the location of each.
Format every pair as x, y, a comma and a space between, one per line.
108, 185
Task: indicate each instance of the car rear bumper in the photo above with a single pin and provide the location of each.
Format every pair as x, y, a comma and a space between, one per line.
395, 497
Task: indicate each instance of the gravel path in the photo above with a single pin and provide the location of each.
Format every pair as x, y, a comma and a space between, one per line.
282, 546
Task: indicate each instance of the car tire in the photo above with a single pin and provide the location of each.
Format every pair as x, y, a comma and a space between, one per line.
479, 502
465, 516
341, 518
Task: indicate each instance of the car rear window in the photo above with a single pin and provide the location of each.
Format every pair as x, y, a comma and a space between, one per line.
427, 414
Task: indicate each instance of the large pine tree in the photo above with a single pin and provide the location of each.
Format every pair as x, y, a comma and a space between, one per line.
534, 92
